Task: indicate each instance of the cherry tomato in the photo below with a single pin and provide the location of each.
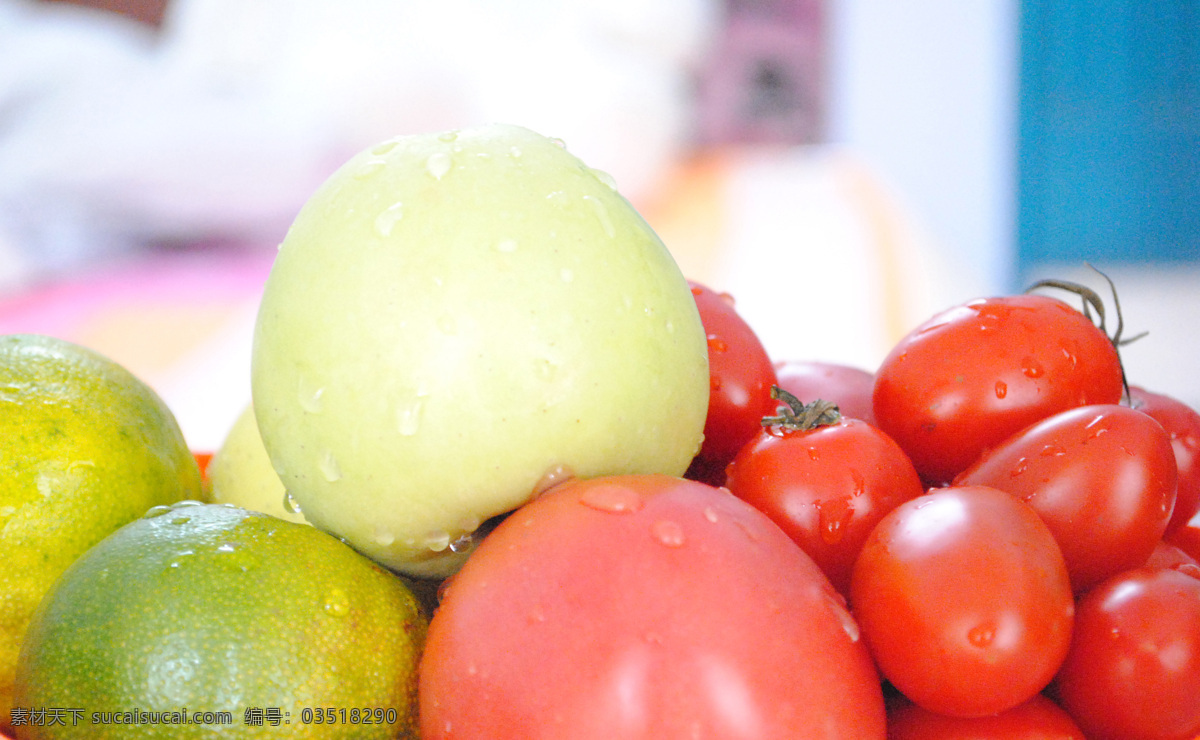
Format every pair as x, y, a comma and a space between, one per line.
1102, 477
1037, 719
1187, 538
644, 607
971, 376
964, 600
1133, 671
740, 377
1183, 425
847, 386
825, 480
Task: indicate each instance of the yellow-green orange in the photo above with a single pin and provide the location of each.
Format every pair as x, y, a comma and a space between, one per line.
85, 447
221, 610
241, 474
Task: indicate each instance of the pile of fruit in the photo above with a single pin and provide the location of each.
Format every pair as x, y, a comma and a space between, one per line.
508, 474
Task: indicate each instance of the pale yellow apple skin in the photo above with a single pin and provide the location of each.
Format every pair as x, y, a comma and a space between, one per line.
241, 473
454, 318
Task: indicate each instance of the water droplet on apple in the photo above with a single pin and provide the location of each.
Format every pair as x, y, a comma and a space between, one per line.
602, 214
290, 505
408, 416
310, 400
508, 246
559, 143
438, 165
668, 533
670, 326
386, 221
553, 476
385, 147
448, 136
462, 543
437, 541
383, 537
370, 168
328, 465
605, 178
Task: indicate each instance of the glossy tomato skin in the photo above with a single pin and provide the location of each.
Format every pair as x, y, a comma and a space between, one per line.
848, 386
1037, 719
1133, 671
740, 376
826, 487
973, 375
644, 607
964, 600
1182, 424
1102, 477
1173, 557
1187, 538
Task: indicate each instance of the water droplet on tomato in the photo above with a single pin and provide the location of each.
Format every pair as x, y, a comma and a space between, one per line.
982, 636
710, 514
1021, 467
837, 606
1053, 450
714, 383
833, 515
1001, 389
1031, 368
814, 454
716, 344
612, 499
667, 532
727, 298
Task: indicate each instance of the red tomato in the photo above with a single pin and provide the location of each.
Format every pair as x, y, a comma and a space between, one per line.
826, 485
1133, 671
1102, 477
740, 376
1187, 539
1170, 556
964, 600
1183, 425
971, 376
1037, 719
644, 607
849, 387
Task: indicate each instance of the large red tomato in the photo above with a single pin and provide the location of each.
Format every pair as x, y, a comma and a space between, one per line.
644, 607
1182, 424
964, 600
845, 385
1133, 671
826, 483
973, 375
1102, 477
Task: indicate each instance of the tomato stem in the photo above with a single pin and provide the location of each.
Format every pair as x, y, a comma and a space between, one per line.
795, 415
1092, 301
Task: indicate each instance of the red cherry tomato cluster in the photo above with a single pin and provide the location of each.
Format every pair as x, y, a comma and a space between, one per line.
991, 535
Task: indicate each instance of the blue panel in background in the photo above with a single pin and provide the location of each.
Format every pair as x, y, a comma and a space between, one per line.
1109, 131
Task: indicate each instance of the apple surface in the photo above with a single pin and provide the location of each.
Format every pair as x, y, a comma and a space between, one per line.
241, 473
456, 321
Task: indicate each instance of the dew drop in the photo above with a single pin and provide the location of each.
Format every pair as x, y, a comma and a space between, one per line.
612, 499
668, 533
982, 635
602, 214
710, 514
370, 168
437, 541
290, 505
310, 400
714, 383
337, 604
559, 143
157, 511
328, 465
716, 344
462, 543
1053, 451
438, 165
553, 476
844, 617
508, 246
608, 180
1001, 389
181, 520
408, 416
1020, 468
1031, 368
386, 221
383, 538
226, 547
384, 148
670, 326
727, 298
832, 518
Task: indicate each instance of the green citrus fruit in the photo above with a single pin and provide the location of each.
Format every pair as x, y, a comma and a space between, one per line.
85, 447
264, 627
240, 473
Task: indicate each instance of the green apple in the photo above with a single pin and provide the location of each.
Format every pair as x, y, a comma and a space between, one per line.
455, 321
241, 473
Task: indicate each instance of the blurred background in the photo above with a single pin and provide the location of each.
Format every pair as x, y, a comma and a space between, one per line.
844, 168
